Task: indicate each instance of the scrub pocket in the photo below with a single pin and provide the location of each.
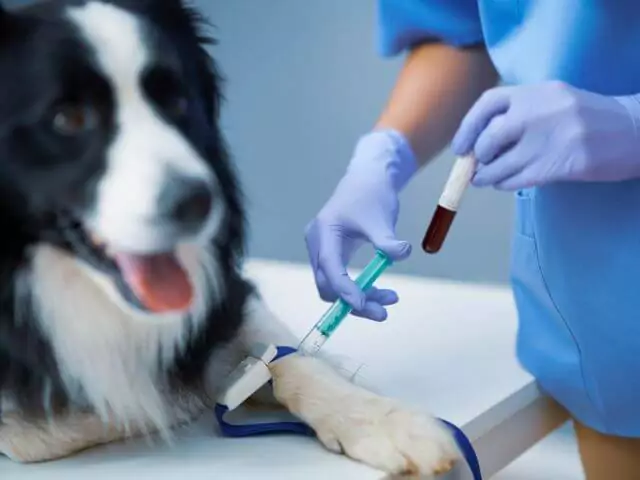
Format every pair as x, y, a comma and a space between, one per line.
546, 347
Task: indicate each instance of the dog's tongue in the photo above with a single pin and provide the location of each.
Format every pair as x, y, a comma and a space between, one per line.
158, 280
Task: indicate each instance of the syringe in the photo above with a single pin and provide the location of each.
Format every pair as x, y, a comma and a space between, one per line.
448, 204
331, 320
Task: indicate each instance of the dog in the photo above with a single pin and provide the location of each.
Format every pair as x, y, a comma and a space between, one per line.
123, 303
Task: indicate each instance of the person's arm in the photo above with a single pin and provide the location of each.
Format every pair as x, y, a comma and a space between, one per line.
445, 72
436, 87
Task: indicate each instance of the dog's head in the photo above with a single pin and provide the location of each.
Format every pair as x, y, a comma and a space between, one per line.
109, 143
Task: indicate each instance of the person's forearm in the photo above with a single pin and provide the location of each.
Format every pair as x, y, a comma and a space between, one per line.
436, 87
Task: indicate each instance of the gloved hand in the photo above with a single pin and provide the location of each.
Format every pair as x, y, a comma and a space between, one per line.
363, 208
531, 135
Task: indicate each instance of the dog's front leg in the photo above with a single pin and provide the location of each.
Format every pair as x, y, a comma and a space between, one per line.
29, 441
347, 418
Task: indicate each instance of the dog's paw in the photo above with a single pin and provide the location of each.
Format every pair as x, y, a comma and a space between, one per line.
378, 433
364, 426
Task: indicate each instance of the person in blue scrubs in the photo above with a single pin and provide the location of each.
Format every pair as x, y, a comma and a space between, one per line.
561, 131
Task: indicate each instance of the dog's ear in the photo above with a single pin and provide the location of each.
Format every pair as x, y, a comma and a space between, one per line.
4, 21
164, 4
5, 17
174, 3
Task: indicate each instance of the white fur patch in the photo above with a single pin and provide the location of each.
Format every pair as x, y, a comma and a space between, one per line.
110, 355
33, 440
147, 151
365, 426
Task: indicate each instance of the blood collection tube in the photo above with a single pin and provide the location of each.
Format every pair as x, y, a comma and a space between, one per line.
448, 203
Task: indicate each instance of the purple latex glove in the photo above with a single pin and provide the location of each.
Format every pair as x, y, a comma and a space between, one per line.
525, 136
363, 208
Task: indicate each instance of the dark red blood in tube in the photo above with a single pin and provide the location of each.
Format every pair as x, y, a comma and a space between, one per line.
438, 229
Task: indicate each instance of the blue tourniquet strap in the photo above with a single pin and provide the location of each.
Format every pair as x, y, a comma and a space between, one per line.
466, 447
253, 429
283, 352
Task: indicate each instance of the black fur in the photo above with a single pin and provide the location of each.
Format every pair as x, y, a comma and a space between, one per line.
41, 60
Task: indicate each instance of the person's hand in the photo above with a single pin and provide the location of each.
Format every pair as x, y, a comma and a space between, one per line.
363, 208
526, 136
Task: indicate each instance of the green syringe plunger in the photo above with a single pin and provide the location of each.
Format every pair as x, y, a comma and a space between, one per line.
331, 320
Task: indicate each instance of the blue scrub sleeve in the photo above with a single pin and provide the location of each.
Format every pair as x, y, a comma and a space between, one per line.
404, 23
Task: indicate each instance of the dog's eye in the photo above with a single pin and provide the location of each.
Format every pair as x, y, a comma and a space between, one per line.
165, 88
177, 107
73, 119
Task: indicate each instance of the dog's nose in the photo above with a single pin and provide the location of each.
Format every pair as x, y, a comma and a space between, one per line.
188, 202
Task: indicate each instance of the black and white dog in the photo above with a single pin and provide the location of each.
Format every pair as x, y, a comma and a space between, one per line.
122, 302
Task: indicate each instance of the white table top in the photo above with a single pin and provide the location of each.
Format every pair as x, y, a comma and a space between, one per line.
447, 348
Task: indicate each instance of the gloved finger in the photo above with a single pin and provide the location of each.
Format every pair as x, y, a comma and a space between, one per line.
384, 239
377, 299
312, 241
330, 262
519, 181
372, 311
501, 134
381, 296
533, 175
493, 102
312, 244
323, 286
504, 167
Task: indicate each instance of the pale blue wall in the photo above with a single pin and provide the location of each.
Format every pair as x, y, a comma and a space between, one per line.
304, 82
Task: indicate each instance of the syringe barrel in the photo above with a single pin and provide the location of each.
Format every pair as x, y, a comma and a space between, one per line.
334, 316
448, 204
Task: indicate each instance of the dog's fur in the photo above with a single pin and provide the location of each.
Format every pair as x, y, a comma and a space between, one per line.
108, 123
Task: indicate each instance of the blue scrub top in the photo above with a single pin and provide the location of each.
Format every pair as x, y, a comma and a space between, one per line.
576, 247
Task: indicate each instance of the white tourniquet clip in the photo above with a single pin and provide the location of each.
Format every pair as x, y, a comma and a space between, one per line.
250, 376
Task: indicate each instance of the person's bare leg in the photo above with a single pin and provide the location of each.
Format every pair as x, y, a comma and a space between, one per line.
606, 457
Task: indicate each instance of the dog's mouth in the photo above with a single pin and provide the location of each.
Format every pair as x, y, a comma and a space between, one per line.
155, 283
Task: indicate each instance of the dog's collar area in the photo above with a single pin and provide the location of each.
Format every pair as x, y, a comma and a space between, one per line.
253, 374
